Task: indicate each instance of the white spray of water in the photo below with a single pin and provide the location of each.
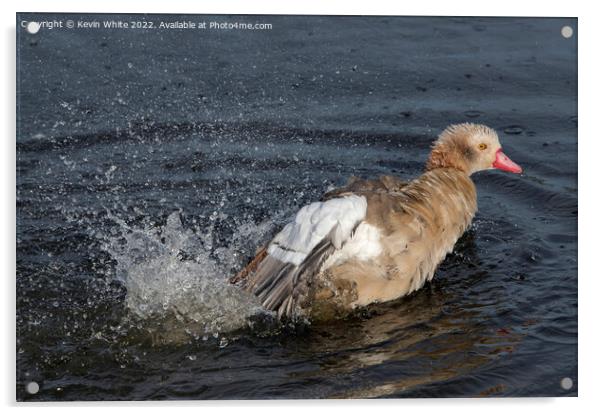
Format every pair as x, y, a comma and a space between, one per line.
169, 273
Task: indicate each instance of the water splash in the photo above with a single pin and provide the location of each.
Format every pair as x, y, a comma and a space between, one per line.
174, 281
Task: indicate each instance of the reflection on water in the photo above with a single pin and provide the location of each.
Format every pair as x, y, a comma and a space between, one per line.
425, 338
422, 349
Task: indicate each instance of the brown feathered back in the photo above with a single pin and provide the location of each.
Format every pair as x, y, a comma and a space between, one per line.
418, 226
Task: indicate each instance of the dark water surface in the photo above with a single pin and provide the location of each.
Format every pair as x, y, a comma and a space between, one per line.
151, 163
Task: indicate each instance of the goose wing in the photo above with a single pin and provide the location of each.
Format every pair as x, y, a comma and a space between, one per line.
281, 273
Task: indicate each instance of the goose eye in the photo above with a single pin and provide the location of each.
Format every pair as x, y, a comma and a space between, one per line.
482, 146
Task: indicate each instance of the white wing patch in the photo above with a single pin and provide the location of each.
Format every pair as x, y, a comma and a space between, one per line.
313, 223
364, 245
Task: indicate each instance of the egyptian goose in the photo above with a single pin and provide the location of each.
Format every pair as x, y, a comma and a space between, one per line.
375, 240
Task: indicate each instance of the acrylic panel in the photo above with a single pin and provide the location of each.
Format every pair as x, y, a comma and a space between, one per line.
187, 227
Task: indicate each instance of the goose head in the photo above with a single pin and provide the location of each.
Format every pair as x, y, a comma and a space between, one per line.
470, 148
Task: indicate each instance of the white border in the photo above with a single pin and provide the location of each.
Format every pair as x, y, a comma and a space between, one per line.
590, 160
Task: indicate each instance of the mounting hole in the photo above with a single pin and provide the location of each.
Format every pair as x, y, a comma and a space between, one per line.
566, 384
33, 27
566, 32
32, 388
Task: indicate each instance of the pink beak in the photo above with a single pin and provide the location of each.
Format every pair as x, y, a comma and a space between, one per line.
504, 163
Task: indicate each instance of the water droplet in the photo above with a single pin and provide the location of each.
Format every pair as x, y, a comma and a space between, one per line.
473, 113
513, 129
